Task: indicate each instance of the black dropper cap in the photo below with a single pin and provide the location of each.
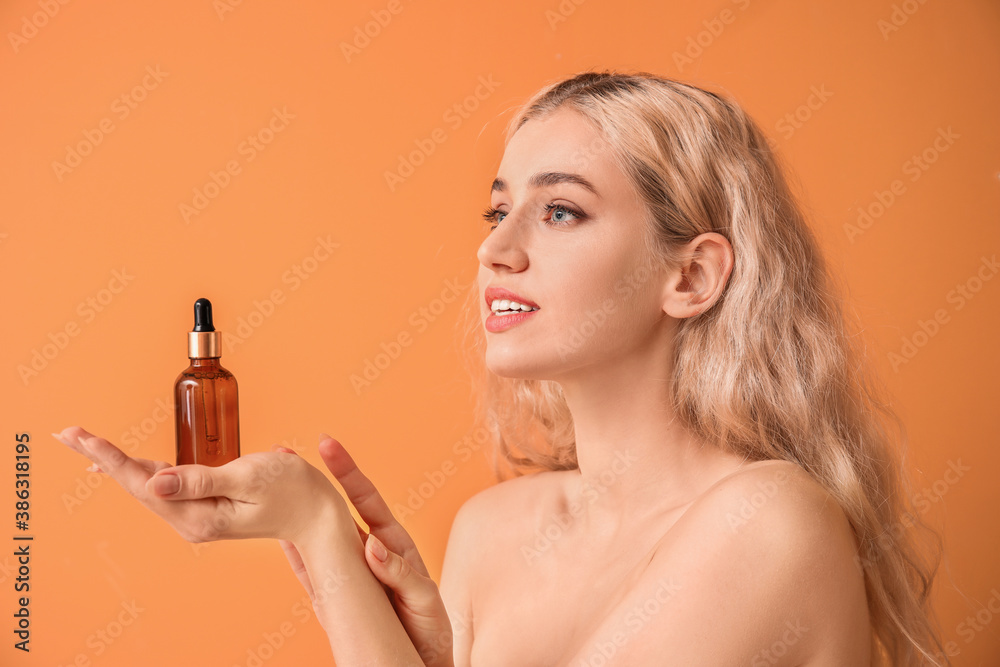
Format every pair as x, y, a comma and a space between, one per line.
204, 341
203, 315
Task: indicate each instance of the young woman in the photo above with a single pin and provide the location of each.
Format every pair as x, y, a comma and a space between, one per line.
700, 467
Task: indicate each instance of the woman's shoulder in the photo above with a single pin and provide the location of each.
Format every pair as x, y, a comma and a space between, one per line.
770, 536
760, 567
780, 496
774, 506
514, 499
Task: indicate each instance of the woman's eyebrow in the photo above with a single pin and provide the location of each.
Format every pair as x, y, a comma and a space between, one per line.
544, 178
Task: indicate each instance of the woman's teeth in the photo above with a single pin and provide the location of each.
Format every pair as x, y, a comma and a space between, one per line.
505, 306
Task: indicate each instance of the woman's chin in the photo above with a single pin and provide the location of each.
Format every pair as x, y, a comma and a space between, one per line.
512, 365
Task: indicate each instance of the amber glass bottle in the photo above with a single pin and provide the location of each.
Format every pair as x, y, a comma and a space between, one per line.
205, 398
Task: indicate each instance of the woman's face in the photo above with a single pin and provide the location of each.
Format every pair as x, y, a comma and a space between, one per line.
575, 251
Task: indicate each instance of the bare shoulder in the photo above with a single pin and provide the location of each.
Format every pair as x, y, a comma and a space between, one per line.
482, 519
491, 514
777, 515
775, 504
761, 567
798, 548
511, 503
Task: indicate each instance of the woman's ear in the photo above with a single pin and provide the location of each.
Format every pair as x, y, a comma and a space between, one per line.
700, 278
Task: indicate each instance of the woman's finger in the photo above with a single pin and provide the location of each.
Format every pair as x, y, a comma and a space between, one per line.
298, 567
113, 461
417, 601
193, 481
369, 502
150, 466
417, 590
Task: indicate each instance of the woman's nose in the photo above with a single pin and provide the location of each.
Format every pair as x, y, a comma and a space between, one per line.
504, 247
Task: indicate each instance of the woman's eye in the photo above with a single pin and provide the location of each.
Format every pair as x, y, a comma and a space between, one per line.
494, 216
559, 214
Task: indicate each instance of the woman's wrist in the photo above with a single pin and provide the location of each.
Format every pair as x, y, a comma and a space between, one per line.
328, 517
348, 599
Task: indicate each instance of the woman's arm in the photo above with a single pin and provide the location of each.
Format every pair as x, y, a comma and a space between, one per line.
399, 567
272, 495
350, 602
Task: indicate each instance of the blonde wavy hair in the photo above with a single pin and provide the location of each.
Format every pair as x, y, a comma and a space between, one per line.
772, 370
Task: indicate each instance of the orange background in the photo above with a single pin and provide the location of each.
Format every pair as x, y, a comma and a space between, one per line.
883, 95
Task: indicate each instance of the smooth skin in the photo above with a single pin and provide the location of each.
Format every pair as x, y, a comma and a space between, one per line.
658, 550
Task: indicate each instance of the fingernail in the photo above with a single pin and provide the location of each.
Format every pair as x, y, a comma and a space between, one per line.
58, 436
166, 484
378, 549
93, 467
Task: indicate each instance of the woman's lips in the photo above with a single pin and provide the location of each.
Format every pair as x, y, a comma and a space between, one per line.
498, 323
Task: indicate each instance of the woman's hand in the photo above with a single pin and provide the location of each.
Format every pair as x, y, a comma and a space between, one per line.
260, 495
268, 494
414, 595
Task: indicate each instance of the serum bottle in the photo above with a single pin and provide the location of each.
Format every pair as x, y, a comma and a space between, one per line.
205, 398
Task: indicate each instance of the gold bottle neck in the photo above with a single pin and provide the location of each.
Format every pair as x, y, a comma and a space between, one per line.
204, 344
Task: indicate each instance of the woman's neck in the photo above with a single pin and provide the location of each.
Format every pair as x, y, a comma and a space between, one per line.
635, 458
